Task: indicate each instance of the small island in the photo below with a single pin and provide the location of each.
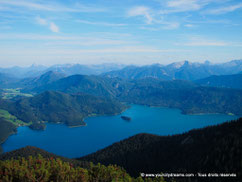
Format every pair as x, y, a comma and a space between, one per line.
126, 118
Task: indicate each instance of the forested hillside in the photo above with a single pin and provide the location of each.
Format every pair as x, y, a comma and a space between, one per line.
215, 149
33, 164
59, 107
188, 97
227, 81
185, 95
94, 85
6, 129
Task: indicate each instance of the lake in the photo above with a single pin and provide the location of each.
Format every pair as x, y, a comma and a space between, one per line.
106, 130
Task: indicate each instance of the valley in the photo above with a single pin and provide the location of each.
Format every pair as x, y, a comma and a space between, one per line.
33, 108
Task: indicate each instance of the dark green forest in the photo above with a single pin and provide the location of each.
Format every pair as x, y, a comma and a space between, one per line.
94, 85
214, 149
193, 100
59, 107
185, 95
227, 81
18, 165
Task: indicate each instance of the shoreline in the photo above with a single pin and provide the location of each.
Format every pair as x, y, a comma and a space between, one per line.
77, 126
5, 139
187, 113
46, 122
100, 115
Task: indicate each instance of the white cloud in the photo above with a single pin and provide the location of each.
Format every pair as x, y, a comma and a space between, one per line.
101, 23
77, 41
25, 4
90, 42
41, 21
184, 4
223, 10
53, 27
47, 6
177, 6
205, 43
84, 37
152, 17
171, 25
150, 28
189, 25
141, 11
201, 41
180, 6
123, 49
127, 49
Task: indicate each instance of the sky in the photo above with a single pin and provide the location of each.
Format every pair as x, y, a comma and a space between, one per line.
140, 32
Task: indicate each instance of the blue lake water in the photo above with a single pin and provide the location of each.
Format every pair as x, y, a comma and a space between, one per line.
106, 130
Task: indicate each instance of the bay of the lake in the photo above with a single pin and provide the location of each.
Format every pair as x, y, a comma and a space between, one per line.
105, 130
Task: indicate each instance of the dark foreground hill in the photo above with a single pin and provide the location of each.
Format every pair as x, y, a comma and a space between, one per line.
34, 152
34, 164
215, 149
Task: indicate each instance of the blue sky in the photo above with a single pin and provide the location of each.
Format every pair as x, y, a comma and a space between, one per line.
110, 31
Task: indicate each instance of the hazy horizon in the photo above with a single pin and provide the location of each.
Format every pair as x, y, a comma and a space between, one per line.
113, 63
126, 32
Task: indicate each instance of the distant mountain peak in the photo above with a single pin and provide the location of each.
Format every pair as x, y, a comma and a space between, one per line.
178, 65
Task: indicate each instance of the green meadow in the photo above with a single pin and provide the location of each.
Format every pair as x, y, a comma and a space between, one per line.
11, 118
11, 93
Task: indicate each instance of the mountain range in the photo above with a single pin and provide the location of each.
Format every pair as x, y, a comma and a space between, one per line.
190, 97
94, 85
177, 70
33, 76
24, 72
181, 70
65, 69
